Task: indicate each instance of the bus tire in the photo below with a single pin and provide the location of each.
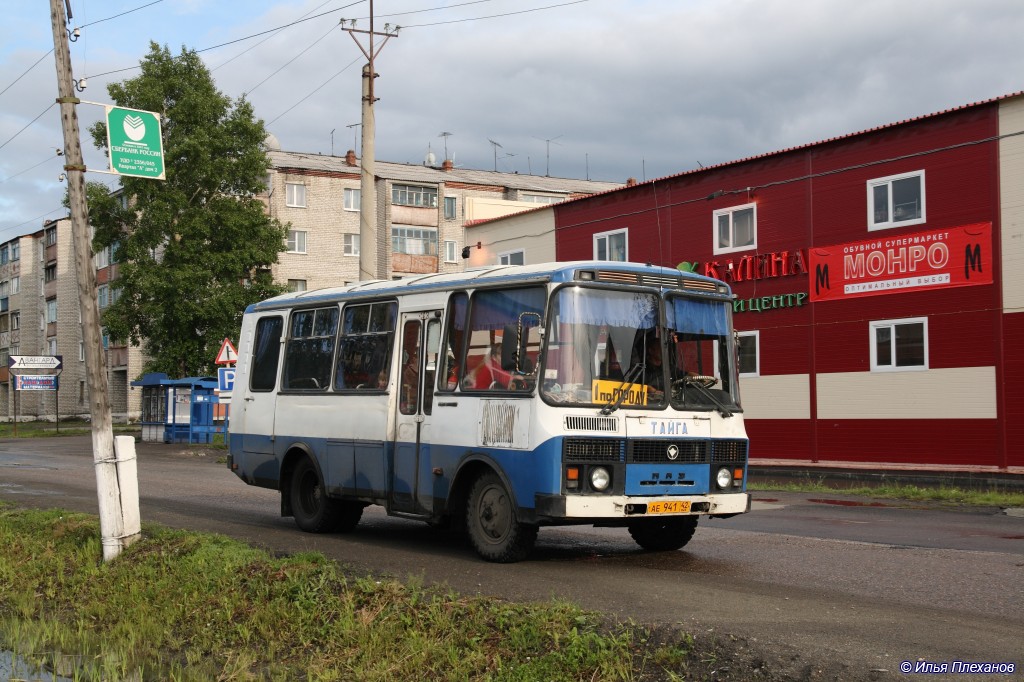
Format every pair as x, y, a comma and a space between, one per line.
314, 511
663, 535
493, 525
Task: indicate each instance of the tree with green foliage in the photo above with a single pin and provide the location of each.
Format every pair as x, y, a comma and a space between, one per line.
193, 250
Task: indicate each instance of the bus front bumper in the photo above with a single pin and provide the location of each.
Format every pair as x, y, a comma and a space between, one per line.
622, 507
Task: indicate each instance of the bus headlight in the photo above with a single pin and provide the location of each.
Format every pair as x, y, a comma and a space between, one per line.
723, 478
600, 479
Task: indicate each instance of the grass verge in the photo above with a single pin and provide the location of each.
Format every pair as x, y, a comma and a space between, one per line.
914, 493
180, 605
66, 427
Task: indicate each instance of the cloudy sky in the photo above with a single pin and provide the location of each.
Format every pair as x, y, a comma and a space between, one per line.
605, 89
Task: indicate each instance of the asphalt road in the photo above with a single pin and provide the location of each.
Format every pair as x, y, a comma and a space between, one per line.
865, 584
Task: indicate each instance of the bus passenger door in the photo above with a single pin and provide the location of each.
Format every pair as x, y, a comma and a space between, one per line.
411, 486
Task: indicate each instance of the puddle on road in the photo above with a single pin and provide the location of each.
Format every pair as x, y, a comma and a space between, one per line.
16, 668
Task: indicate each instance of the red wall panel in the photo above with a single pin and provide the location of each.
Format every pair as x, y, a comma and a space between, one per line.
817, 196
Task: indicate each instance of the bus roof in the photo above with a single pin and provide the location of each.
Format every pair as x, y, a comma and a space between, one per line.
650, 275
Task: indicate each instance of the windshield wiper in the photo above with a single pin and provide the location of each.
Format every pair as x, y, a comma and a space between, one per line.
614, 403
722, 409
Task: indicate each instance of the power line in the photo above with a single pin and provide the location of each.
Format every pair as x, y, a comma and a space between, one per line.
308, 48
30, 220
92, 23
253, 47
239, 40
315, 91
29, 124
786, 181
49, 158
100, 21
496, 16
26, 71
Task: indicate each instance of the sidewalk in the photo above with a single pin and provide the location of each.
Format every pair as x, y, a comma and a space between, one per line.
961, 476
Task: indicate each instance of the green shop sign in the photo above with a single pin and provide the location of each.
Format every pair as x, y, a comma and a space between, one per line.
134, 143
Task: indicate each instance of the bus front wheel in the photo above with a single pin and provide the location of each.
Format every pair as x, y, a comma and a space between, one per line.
314, 511
663, 535
494, 528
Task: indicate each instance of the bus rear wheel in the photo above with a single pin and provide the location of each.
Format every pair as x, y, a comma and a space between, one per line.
494, 528
314, 511
663, 535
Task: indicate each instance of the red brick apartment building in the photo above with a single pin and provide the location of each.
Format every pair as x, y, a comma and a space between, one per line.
879, 280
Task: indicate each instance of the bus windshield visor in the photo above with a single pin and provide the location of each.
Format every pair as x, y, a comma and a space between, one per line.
701, 355
604, 348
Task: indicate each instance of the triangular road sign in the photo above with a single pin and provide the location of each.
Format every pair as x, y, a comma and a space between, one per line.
227, 355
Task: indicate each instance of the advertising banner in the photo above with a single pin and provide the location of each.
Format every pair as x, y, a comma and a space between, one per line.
892, 264
35, 382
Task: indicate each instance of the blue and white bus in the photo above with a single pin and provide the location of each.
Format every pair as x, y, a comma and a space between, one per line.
498, 400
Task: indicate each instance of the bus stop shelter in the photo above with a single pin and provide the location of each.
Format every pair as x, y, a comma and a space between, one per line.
181, 410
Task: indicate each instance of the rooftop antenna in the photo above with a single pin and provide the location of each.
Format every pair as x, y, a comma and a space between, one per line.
496, 146
332, 141
548, 141
446, 135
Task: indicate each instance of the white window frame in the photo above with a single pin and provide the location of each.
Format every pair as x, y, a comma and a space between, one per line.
890, 208
296, 285
293, 197
423, 196
453, 204
606, 236
15, 320
411, 235
756, 334
350, 244
292, 244
504, 257
51, 345
451, 251
15, 284
353, 199
51, 311
542, 198
731, 211
876, 325
103, 296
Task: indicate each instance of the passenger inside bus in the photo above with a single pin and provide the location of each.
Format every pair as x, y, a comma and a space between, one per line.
410, 382
488, 374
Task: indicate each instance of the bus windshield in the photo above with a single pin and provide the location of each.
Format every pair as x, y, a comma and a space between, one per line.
701, 355
607, 348
604, 348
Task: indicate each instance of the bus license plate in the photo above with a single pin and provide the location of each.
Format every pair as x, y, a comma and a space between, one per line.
668, 507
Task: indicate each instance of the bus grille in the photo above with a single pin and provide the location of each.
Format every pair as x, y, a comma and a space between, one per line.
591, 424
699, 284
593, 450
728, 451
687, 451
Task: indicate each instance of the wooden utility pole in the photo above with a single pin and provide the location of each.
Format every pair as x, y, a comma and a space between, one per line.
368, 266
111, 520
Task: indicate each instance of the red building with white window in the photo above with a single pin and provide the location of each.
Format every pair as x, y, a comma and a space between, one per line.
879, 280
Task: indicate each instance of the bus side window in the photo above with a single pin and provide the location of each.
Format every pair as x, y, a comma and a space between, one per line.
310, 349
492, 313
266, 353
364, 346
452, 367
433, 345
409, 388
